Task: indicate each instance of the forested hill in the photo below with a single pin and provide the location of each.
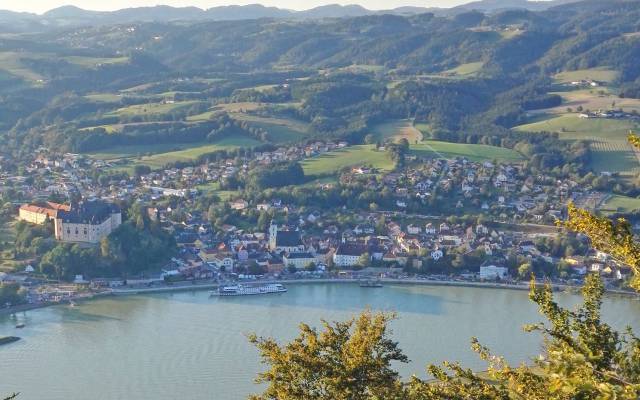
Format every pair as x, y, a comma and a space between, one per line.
69, 16
340, 74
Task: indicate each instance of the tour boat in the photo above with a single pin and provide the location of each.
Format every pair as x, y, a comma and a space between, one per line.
20, 326
241, 290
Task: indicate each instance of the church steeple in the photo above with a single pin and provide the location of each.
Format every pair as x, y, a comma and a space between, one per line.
273, 233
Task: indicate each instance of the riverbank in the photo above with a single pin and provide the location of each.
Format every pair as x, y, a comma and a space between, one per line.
34, 306
212, 285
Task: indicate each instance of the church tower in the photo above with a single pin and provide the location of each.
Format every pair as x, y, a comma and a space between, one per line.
273, 233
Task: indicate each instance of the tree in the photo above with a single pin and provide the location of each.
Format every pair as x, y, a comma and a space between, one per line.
346, 360
364, 260
524, 271
141, 170
582, 357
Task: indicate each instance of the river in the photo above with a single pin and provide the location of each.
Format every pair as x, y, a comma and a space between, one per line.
188, 345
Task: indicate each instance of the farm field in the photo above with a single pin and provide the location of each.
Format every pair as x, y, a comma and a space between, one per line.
158, 155
151, 109
473, 152
332, 162
465, 69
618, 203
592, 99
114, 128
189, 154
119, 152
104, 97
598, 74
92, 62
608, 138
281, 130
10, 62
462, 71
397, 130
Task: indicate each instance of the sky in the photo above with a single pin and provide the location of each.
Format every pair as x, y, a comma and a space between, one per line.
40, 6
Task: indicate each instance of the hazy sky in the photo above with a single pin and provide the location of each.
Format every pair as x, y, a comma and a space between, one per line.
40, 6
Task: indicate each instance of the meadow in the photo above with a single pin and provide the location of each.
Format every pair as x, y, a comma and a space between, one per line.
603, 74
168, 153
397, 130
462, 71
608, 138
152, 109
332, 162
11, 63
620, 204
473, 152
593, 100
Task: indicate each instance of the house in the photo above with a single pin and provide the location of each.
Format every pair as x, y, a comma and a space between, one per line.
39, 214
491, 272
218, 257
263, 207
239, 204
88, 222
414, 229
298, 260
348, 255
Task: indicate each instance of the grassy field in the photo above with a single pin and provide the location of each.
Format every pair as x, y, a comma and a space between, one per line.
115, 128
473, 152
104, 97
189, 154
397, 130
465, 69
158, 155
119, 152
593, 99
598, 74
92, 62
608, 137
153, 109
281, 130
617, 203
213, 188
334, 161
10, 62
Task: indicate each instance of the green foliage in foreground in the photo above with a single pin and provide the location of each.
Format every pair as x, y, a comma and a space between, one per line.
582, 358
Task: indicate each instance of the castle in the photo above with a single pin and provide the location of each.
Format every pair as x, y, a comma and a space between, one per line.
88, 222
84, 222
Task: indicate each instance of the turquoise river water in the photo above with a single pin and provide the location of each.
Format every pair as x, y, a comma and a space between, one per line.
186, 345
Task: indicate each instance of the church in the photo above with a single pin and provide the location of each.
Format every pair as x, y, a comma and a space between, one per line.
284, 241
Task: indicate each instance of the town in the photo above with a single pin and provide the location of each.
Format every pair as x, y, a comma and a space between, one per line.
435, 218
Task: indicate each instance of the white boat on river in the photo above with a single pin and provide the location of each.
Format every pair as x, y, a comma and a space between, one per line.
242, 290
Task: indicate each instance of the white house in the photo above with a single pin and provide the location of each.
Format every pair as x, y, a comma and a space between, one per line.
298, 260
348, 255
491, 272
